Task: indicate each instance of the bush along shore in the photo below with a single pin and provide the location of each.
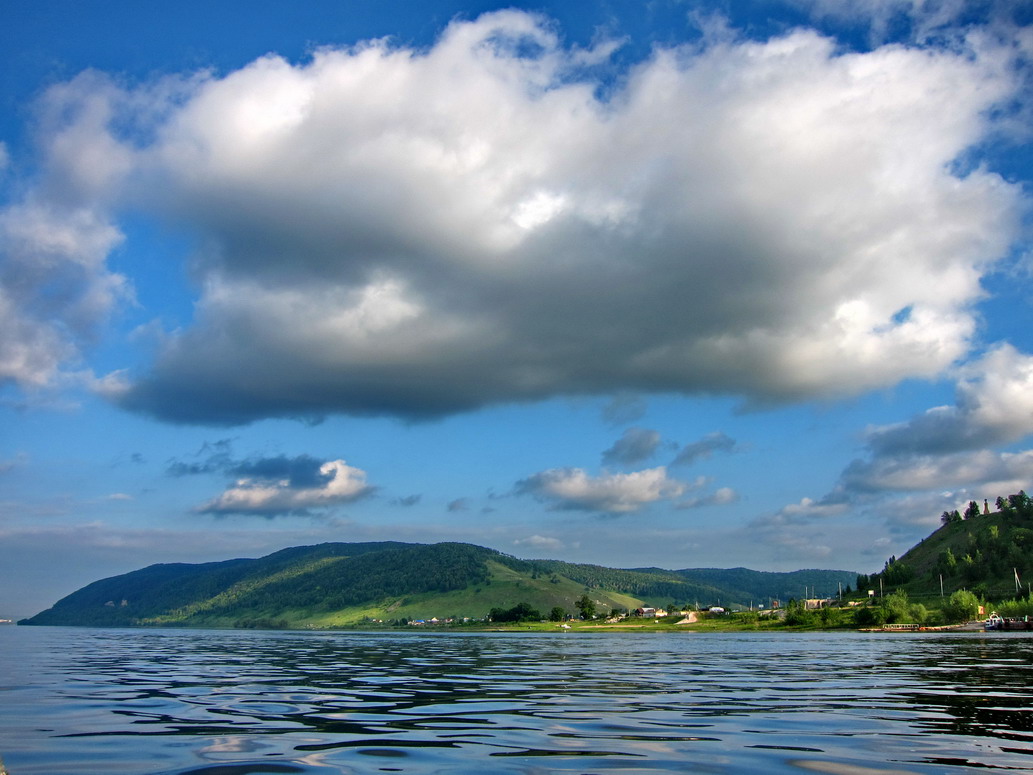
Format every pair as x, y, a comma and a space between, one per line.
963, 610
895, 612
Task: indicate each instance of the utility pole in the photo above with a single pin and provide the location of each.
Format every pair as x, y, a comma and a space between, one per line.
941, 585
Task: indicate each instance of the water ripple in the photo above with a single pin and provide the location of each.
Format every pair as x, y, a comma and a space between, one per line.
177, 702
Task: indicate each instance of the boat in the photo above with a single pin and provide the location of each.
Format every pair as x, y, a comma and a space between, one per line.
997, 622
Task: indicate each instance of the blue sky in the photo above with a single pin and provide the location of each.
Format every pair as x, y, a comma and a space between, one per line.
677, 284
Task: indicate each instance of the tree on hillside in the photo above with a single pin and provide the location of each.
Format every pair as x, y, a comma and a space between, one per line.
947, 563
961, 606
897, 572
521, 612
972, 511
1021, 503
585, 606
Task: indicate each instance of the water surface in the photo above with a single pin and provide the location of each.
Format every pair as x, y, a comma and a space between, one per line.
176, 702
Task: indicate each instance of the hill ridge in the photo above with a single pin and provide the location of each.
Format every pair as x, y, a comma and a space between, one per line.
338, 583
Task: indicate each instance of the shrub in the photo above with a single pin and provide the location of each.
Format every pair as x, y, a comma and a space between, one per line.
797, 615
961, 606
870, 616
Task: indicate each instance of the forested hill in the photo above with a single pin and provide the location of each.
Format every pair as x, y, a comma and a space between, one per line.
337, 584
325, 577
987, 549
759, 586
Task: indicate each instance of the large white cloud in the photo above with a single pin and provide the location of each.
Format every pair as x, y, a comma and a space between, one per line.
421, 232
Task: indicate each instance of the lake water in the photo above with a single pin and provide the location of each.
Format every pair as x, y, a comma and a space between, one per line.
85, 701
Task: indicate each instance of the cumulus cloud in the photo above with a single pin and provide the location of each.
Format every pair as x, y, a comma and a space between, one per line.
908, 492
634, 446
945, 455
704, 448
573, 489
272, 485
994, 405
275, 489
391, 231
301, 472
995, 472
459, 504
55, 291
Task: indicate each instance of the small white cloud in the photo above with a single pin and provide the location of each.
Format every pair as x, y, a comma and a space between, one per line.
340, 483
119, 496
720, 497
811, 509
704, 448
574, 489
540, 542
634, 446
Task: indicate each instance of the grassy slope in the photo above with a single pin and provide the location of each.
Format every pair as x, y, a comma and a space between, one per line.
341, 584
506, 588
924, 556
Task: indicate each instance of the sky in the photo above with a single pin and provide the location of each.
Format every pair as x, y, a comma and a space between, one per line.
644, 284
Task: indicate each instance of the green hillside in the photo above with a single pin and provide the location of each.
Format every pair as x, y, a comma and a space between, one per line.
340, 584
975, 551
660, 587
